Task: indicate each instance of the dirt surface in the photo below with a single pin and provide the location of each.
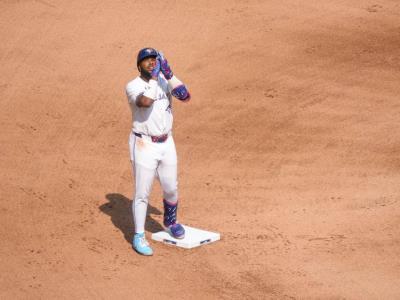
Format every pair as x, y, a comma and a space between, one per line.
289, 148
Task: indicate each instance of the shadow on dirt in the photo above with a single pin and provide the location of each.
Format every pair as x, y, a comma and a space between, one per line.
119, 208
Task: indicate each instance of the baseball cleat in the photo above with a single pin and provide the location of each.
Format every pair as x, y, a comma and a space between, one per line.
141, 245
176, 231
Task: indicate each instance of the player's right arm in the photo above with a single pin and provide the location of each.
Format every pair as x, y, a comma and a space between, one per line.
141, 97
143, 101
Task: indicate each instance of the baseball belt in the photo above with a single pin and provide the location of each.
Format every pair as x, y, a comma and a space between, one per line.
154, 139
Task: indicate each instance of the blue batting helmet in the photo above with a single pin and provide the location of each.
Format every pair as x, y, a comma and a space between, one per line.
144, 53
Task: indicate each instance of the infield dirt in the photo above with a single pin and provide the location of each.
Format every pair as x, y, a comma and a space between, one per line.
289, 148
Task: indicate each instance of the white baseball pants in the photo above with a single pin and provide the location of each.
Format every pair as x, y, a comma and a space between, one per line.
149, 160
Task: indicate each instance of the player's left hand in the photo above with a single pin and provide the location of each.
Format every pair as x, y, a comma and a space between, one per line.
165, 68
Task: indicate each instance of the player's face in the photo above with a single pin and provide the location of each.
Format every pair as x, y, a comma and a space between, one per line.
148, 64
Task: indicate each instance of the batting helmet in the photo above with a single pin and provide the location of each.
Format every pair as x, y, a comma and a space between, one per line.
144, 53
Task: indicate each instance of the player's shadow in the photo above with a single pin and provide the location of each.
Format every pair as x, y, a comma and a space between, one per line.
119, 208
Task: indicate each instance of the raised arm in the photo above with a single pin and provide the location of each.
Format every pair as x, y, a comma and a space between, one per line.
177, 88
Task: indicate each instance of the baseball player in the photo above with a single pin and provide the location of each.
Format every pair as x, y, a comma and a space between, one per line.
151, 145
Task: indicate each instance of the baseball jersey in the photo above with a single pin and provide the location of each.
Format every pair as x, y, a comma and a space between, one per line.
157, 119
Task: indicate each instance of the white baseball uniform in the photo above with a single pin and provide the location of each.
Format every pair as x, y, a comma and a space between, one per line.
150, 159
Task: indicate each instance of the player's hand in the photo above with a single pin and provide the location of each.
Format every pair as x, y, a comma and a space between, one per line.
165, 68
156, 70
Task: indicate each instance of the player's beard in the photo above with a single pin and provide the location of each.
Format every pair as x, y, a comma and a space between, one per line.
145, 74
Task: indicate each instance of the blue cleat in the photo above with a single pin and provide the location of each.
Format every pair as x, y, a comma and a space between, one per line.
177, 231
141, 245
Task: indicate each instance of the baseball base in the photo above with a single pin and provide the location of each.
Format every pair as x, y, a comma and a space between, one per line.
193, 237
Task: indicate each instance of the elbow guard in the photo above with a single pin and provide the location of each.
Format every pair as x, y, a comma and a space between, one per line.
181, 93
178, 89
